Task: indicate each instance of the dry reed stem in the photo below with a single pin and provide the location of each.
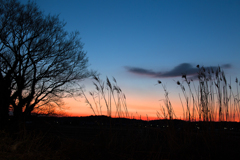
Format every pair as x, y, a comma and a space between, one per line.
213, 99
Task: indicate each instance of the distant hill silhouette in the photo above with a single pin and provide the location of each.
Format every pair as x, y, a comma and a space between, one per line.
105, 121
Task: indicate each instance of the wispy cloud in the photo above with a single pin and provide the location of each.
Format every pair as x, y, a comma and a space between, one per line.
179, 70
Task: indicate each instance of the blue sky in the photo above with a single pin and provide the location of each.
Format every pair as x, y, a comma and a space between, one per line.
141, 41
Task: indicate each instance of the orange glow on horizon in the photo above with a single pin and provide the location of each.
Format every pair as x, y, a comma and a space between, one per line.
143, 107
144, 110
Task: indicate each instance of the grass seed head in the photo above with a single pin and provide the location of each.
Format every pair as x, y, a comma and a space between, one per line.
216, 73
117, 89
114, 80
97, 88
203, 69
96, 78
212, 70
184, 76
91, 93
224, 78
109, 84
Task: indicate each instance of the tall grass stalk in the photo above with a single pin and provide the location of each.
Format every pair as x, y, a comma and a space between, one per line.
212, 100
170, 112
106, 94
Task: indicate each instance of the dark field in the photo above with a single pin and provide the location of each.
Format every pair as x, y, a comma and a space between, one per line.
101, 137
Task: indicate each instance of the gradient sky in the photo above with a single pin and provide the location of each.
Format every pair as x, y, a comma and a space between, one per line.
141, 41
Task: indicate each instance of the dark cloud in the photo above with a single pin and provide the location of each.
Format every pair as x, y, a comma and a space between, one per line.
179, 70
140, 71
184, 68
226, 66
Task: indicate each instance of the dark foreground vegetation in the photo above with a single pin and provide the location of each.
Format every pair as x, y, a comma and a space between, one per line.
101, 137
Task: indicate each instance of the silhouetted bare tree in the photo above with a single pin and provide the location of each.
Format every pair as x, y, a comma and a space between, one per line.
40, 62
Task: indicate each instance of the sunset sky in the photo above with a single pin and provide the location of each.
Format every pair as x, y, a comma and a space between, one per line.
142, 41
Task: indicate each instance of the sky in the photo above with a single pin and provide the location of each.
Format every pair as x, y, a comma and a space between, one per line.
139, 42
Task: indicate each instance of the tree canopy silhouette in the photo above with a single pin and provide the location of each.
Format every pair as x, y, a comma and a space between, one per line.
40, 61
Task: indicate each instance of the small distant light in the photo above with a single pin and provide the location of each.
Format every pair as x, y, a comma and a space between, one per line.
225, 128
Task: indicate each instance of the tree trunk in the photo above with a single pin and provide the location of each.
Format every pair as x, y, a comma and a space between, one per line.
18, 118
4, 104
4, 112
